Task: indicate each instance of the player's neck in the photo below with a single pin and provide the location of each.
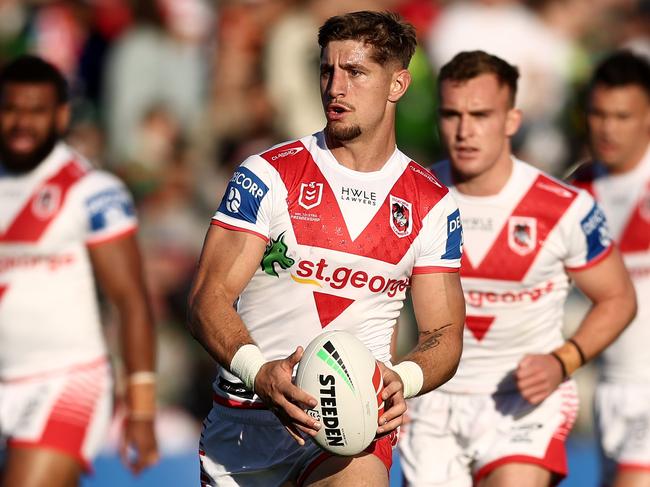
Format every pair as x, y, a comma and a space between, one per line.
487, 183
632, 163
364, 154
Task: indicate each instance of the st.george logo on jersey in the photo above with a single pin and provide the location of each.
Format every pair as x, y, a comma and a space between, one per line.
522, 234
401, 220
310, 195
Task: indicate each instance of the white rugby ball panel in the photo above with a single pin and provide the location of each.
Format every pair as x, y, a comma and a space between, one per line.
341, 373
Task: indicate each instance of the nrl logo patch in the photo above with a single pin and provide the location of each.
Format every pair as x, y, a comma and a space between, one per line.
522, 234
310, 195
401, 220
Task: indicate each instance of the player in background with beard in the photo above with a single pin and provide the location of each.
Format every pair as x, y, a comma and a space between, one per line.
504, 417
322, 233
61, 221
618, 116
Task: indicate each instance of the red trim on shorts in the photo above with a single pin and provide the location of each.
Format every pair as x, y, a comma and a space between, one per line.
67, 426
73, 368
594, 261
112, 237
231, 403
238, 229
432, 269
85, 464
381, 447
634, 466
554, 461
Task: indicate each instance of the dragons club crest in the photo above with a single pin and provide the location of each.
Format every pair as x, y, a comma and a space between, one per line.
401, 220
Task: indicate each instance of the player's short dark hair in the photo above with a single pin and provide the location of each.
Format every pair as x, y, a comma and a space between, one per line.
33, 69
468, 65
391, 38
622, 68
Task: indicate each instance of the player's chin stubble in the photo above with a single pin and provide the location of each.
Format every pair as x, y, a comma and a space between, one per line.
342, 133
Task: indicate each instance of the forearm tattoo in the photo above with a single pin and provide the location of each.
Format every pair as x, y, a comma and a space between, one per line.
431, 339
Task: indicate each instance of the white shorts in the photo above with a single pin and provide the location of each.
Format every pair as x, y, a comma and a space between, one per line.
623, 425
67, 410
455, 440
250, 447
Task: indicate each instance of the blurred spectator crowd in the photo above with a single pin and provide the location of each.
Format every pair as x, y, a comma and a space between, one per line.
172, 94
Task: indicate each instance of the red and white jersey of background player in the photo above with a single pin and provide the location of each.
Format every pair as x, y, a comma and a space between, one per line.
625, 199
517, 245
48, 311
342, 245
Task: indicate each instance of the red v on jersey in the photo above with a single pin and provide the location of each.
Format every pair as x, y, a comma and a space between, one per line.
330, 307
636, 235
545, 203
43, 206
322, 224
479, 325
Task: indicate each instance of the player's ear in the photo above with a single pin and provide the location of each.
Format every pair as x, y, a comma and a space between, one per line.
513, 121
62, 119
400, 82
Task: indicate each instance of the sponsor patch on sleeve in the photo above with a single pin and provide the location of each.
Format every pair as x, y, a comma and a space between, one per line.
594, 227
243, 195
109, 208
454, 237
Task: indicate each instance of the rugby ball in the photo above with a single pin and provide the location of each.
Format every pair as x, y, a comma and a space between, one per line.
342, 375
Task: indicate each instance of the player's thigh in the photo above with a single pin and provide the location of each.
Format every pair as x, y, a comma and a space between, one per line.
38, 467
632, 478
517, 475
362, 471
430, 449
623, 419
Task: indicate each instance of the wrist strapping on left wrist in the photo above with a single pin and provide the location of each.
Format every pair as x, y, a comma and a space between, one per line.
412, 377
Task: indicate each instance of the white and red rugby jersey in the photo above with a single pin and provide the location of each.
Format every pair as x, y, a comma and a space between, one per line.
517, 247
625, 199
342, 245
48, 310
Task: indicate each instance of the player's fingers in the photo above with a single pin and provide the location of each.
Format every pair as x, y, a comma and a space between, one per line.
297, 396
391, 389
297, 416
396, 408
308, 431
295, 357
390, 425
293, 432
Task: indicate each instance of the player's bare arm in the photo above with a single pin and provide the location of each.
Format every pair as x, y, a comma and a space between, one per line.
607, 284
228, 261
439, 308
118, 267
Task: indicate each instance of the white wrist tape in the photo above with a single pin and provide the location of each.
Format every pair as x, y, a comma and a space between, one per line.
412, 377
246, 363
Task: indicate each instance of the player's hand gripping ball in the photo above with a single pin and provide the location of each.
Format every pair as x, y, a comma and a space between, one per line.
341, 373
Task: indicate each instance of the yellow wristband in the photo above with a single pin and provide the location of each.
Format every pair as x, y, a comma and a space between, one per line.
569, 355
141, 400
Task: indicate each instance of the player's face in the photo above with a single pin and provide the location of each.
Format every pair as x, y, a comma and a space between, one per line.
476, 123
355, 90
31, 121
619, 125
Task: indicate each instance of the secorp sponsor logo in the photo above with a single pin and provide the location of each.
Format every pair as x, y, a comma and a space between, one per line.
246, 182
319, 274
233, 200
